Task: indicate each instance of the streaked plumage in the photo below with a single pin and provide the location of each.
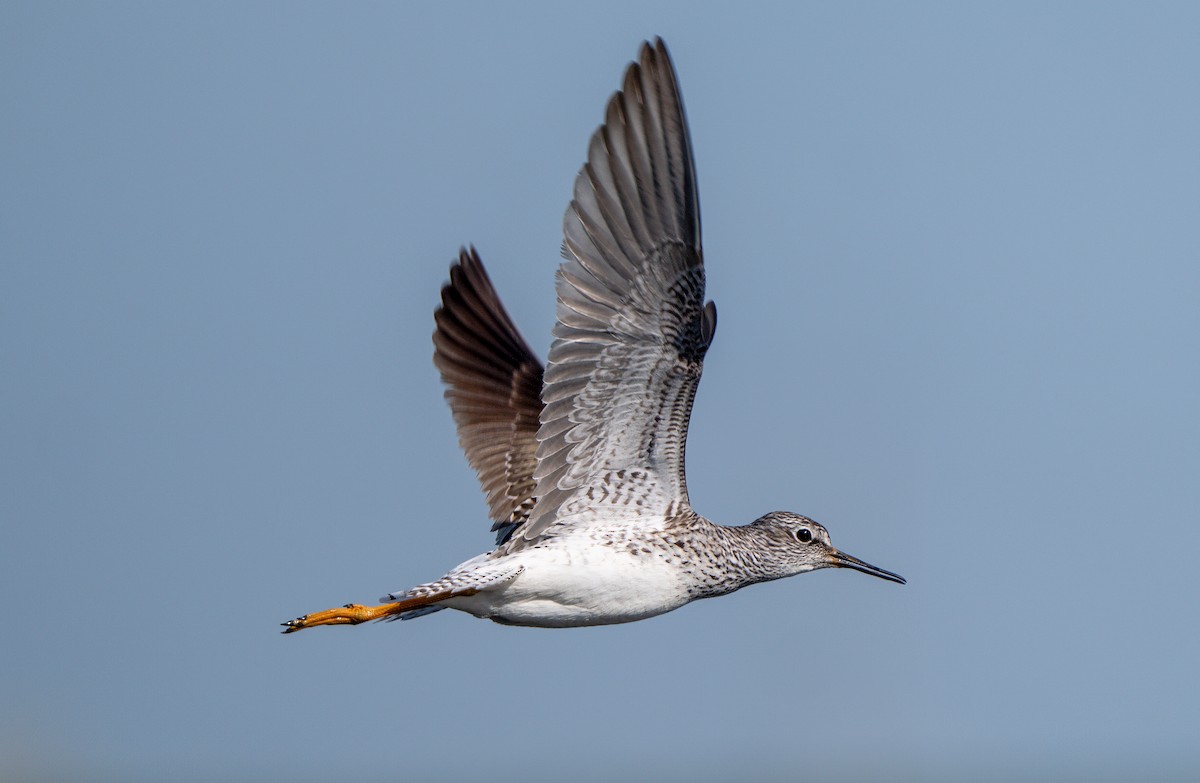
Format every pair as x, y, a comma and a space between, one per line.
583, 462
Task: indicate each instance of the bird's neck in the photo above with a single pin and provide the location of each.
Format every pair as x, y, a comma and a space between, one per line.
729, 558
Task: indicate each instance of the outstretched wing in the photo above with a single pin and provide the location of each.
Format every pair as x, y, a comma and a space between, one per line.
632, 325
495, 383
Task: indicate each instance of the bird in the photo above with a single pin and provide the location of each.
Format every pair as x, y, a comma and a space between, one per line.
582, 460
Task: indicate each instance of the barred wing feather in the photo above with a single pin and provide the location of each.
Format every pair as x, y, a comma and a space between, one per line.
632, 325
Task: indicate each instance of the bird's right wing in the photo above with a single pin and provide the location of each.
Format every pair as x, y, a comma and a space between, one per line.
632, 327
494, 389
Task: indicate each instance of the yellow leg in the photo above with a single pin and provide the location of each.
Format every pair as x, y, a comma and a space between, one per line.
350, 614
353, 614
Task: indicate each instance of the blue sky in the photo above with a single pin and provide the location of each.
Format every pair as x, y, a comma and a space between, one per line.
957, 258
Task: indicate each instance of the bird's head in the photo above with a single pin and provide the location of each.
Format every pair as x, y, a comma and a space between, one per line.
798, 544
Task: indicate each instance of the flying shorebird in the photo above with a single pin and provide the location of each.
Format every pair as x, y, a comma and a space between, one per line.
583, 464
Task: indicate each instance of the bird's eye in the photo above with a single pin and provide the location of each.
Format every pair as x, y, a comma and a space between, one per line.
804, 534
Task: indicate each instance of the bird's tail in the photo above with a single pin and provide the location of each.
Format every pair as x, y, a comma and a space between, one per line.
415, 613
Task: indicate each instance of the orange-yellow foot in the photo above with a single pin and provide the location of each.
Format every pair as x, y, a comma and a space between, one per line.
353, 614
350, 614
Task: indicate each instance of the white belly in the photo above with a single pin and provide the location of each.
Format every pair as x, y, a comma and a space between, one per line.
563, 587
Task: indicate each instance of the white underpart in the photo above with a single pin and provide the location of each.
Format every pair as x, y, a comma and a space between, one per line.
586, 583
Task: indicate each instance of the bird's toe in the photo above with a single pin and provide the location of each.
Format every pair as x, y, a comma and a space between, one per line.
292, 626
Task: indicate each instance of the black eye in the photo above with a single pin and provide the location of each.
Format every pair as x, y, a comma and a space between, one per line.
804, 534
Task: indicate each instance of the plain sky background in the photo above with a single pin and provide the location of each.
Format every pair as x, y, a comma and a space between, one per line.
956, 250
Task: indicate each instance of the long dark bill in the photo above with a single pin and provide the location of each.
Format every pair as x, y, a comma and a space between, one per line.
843, 560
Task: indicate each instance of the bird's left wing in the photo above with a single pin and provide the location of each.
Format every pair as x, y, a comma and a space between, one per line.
494, 383
632, 325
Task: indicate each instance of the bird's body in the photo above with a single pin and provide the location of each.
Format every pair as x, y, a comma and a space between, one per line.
584, 580
618, 574
583, 461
